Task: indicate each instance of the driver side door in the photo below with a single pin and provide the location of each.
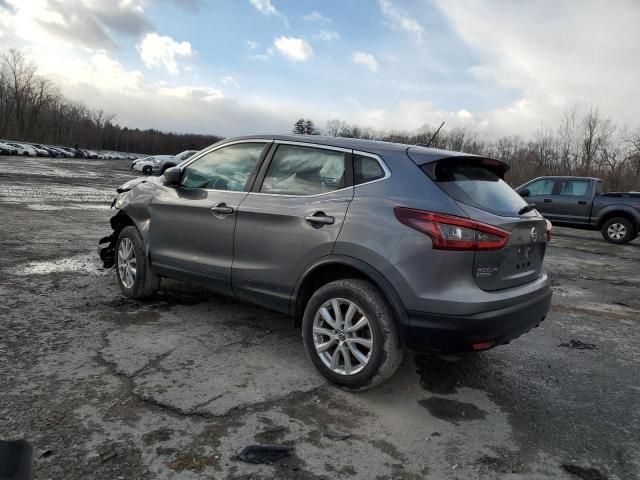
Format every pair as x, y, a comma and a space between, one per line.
541, 195
192, 225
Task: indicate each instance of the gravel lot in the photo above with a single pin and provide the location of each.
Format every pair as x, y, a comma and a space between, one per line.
174, 387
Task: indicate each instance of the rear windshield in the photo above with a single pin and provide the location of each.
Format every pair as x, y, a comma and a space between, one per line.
478, 186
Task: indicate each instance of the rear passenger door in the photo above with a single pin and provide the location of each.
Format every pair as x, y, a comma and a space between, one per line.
291, 217
572, 201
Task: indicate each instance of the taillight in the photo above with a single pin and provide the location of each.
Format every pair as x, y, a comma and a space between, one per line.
549, 229
453, 233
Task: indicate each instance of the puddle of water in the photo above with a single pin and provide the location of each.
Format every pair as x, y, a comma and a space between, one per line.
43, 193
452, 410
85, 264
76, 206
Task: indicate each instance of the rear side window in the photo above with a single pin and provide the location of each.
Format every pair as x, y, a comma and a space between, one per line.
296, 170
573, 188
478, 186
366, 169
598, 188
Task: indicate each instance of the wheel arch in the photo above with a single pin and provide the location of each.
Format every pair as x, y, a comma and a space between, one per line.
618, 211
337, 267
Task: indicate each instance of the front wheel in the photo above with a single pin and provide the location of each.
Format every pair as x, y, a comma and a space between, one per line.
350, 334
134, 274
147, 170
618, 230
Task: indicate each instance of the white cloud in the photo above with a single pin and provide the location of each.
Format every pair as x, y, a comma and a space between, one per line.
89, 24
401, 20
184, 92
552, 61
327, 35
293, 49
162, 51
229, 80
252, 45
316, 16
365, 59
266, 8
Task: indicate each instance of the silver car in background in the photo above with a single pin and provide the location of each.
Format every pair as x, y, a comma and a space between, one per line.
371, 247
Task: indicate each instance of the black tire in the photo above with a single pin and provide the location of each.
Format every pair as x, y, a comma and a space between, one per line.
147, 170
146, 281
619, 230
386, 355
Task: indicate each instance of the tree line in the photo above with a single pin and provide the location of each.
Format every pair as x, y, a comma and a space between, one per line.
32, 109
586, 143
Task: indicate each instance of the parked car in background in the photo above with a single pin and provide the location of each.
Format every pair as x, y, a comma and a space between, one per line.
24, 149
153, 164
6, 149
40, 151
579, 202
182, 156
371, 247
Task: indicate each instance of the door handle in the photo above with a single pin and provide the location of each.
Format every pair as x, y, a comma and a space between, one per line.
319, 218
548, 200
221, 210
582, 202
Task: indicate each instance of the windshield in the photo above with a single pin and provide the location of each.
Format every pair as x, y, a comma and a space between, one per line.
474, 184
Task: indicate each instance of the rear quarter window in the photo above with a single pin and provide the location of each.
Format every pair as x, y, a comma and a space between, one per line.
477, 185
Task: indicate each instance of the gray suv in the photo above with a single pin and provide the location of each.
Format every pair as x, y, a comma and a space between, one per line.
371, 247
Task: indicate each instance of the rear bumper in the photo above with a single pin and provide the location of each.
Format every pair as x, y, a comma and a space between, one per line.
457, 334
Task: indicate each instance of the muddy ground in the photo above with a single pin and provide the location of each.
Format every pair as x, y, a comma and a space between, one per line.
106, 387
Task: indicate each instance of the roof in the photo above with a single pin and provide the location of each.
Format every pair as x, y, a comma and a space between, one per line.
370, 146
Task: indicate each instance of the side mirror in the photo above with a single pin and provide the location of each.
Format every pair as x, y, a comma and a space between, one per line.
524, 192
172, 176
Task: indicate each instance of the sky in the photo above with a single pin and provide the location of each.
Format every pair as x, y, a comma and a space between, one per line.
233, 67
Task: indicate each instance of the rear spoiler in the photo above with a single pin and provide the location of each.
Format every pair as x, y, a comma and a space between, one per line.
428, 158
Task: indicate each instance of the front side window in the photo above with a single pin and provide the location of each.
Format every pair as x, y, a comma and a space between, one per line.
296, 170
541, 187
366, 169
227, 168
573, 188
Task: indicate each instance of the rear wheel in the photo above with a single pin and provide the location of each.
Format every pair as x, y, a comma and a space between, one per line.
350, 334
618, 230
134, 274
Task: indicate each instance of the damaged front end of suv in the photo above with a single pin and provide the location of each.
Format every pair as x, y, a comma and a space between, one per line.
132, 205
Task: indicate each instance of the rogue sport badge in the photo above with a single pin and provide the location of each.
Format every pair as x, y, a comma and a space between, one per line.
533, 235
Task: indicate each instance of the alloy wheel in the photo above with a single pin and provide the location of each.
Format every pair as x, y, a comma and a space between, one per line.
342, 336
127, 263
617, 231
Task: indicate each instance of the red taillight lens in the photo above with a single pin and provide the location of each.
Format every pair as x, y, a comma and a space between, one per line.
549, 230
453, 233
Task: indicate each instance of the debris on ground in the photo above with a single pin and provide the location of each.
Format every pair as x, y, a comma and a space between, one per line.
16, 459
263, 453
105, 457
578, 345
336, 434
585, 473
44, 453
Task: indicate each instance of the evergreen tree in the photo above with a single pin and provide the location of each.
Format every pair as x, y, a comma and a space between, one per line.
300, 127
310, 128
